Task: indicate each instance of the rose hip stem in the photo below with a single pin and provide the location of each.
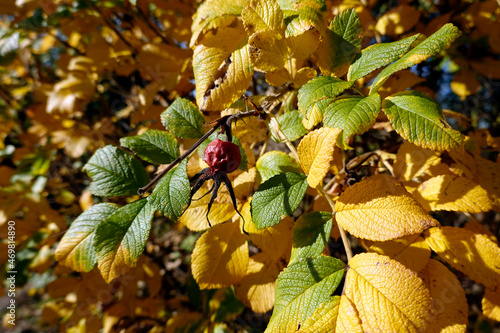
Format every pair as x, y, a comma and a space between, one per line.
223, 122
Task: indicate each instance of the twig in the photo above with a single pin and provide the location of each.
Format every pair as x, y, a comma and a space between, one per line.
145, 18
223, 122
112, 27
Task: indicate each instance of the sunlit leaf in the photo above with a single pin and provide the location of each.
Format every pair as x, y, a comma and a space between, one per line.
171, 194
183, 119
491, 304
414, 161
263, 15
154, 146
277, 197
275, 241
222, 68
412, 251
256, 289
268, 50
473, 254
214, 14
352, 114
300, 290
448, 295
220, 257
338, 315
453, 193
379, 208
378, 55
419, 119
314, 96
120, 239
398, 20
438, 41
115, 172
76, 249
316, 152
388, 296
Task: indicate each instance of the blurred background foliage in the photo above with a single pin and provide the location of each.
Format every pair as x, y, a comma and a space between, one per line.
78, 75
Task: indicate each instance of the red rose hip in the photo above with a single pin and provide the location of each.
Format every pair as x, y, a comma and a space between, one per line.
222, 156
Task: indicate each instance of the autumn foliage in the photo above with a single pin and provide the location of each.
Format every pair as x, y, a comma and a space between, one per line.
362, 200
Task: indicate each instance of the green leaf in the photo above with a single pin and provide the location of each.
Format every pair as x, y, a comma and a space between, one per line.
171, 194
341, 43
291, 125
120, 239
277, 197
183, 119
301, 288
318, 89
310, 235
438, 41
76, 249
243, 164
274, 163
379, 55
154, 146
115, 172
419, 119
353, 114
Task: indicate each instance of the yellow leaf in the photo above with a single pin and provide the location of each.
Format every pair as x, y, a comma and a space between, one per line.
488, 176
473, 254
388, 296
399, 81
243, 185
412, 251
323, 319
275, 241
465, 83
222, 68
302, 76
268, 50
249, 130
491, 304
256, 289
184, 319
316, 152
162, 64
263, 15
301, 46
413, 161
453, 193
70, 95
220, 257
348, 319
279, 77
465, 164
397, 20
478, 228
339, 316
195, 218
314, 117
449, 297
379, 208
